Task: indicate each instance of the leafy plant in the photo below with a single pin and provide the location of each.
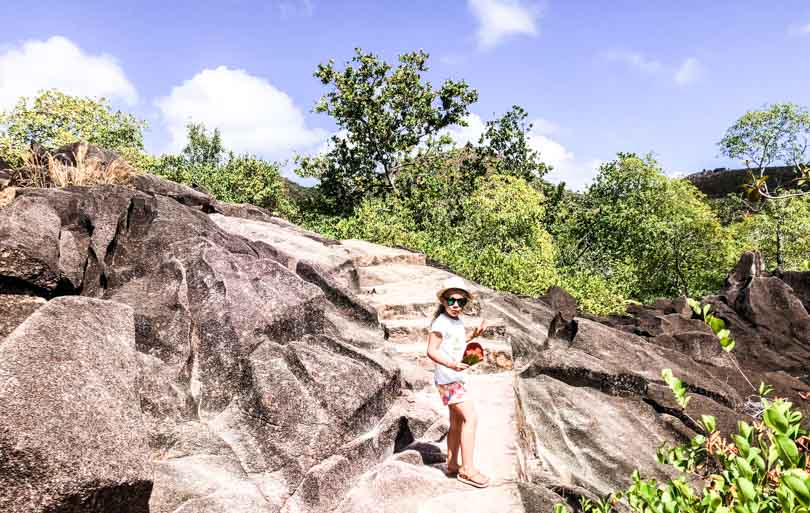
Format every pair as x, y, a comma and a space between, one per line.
384, 115
53, 119
762, 468
634, 218
204, 162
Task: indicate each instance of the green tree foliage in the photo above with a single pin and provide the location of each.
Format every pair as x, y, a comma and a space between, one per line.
656, 233
205, 163
756, 231
499, 242
384, 114
778, 134
53, 119
504, 147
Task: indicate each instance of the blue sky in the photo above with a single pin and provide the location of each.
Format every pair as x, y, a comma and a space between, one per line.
598, 77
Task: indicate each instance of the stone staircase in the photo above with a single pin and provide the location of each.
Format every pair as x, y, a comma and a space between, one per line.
400, 287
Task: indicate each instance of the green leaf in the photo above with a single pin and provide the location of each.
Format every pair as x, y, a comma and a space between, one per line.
717, 324
795, 480
747, 488
677, 387
788, 450
775, 419
742, 444
695, 305
709, 423
744, 468
561, 508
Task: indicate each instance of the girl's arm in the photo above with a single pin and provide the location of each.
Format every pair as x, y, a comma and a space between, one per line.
477, 332
434, 341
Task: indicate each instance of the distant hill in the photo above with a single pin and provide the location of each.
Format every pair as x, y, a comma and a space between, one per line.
716, 183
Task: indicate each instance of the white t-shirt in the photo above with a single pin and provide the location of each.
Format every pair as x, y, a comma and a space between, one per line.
454, 341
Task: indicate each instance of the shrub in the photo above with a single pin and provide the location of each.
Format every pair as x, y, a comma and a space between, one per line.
227, 176
758, 232
53, 119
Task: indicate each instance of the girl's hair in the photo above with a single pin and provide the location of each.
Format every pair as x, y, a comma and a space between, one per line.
439, 310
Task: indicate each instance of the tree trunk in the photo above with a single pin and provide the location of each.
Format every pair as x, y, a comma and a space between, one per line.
780, 259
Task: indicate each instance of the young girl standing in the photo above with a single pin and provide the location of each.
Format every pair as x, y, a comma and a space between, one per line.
446, 346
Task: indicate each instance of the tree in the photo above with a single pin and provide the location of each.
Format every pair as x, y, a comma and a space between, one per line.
205, 163
754, 231
636, 224
384, 115
202, 149
505, 146
52, 119
778, 134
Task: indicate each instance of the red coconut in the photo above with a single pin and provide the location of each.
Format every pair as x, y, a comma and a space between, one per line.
473, 353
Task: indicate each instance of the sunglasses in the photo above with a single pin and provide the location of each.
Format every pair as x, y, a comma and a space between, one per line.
460, 301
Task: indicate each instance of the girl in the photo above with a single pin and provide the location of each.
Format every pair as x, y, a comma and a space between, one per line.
446, 345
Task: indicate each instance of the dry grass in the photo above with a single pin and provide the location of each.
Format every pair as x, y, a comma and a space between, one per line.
50, 172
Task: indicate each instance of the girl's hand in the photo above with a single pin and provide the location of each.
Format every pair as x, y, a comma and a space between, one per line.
479, 330
459, 366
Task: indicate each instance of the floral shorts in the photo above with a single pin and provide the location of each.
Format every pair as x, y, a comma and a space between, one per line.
452, 393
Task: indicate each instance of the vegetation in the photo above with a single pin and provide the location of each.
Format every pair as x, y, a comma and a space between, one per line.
778, 134
762, 468
393, 175
384, 114
655, 233
53, 119
205, 163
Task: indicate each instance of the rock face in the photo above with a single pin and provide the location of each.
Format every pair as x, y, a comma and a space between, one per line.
245, 390
72, 437
242, 364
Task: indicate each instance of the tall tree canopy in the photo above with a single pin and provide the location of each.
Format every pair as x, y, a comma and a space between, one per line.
384, 115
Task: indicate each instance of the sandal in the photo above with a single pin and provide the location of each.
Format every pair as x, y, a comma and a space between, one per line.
470, 479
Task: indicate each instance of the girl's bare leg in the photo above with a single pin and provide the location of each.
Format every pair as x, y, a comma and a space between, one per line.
454, 441
469, 422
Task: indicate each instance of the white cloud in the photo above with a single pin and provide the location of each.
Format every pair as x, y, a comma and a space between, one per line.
573, 171
799, 30
635, 60
57, 63
252, 115
498, 19
576, 174
470, 133
688, 72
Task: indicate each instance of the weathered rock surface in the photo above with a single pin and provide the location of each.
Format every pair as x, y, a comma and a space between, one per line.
276, 370
72, 436
16, 308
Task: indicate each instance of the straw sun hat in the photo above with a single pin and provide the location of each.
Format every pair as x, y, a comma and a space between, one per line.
454, 283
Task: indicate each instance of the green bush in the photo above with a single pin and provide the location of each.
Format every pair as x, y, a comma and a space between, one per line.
499, 243
53, 119
227, 176
757, 232
634, 214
